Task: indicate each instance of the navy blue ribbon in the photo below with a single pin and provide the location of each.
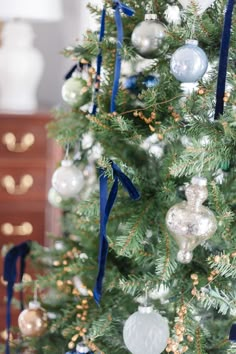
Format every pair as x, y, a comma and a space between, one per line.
106, 205
99, 61
224, 53
232, 335
10, 274
119, 7
71, 72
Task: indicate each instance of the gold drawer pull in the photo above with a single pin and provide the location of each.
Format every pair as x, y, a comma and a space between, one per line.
24, 229
26, 142
26, 182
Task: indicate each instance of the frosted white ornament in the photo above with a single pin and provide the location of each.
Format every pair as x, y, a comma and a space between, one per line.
68, 180
202, 5
190, 222
172, 15
146, 331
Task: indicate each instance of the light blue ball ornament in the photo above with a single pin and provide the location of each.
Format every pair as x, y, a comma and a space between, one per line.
189, 62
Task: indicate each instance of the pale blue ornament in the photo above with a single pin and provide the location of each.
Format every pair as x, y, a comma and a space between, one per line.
189, 62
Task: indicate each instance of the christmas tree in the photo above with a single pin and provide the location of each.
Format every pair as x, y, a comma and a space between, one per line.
159, 137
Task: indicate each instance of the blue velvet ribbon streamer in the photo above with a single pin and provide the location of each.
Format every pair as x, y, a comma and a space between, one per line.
119, 7
224, 53
10, 274
106, 205
99, 61
232, 335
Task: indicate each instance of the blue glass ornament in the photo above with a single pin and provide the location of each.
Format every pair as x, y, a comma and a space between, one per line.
151, 81
137, 83
189, 62
131, 83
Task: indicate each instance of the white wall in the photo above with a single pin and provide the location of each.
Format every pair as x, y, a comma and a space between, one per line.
51, 38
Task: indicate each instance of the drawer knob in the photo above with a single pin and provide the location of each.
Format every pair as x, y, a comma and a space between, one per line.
9, 183
24, 229
9, 139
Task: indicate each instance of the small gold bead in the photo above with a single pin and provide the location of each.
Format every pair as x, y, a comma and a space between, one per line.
71, 345
65, 262
217, 259
75, 337
194, 276
83, 318
210, 278
190, 338
201, 91
60, 283
56, 263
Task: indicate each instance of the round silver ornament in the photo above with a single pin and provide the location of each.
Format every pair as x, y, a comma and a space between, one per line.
146, 331
147, 37
68, 180
190, 222
74, 91
189, 62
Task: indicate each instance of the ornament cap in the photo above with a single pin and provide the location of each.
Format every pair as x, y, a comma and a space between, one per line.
150, 17
34, 305
192, 42
82, 348
145, 309
199, 181
66, 163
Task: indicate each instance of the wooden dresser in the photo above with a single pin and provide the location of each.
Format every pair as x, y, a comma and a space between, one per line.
27, 161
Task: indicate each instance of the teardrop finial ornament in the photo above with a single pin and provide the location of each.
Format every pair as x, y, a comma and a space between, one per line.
190, 222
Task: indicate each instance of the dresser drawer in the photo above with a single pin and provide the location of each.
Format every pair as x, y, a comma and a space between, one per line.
23, 136
20, 227
22, 182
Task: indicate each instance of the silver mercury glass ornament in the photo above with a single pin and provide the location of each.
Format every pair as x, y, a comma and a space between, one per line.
190, 222
189, 62
147, 37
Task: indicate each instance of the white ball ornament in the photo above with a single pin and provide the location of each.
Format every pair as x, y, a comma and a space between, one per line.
172, 15
202, 5
189, 62
146, 331
68, 180
74, 91
147, 37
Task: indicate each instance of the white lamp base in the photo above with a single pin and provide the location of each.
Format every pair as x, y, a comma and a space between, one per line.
21, 68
